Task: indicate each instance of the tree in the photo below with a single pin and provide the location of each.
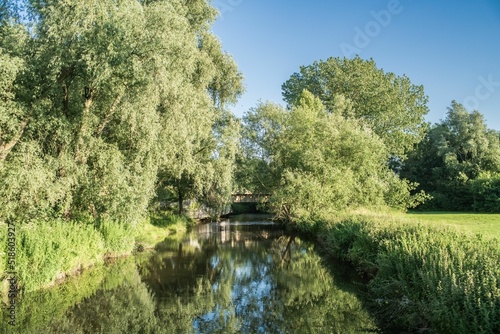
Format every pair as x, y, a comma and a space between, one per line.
217, 196
390, 105
316, 161
102, 97
199, 159
13, 118
455, 152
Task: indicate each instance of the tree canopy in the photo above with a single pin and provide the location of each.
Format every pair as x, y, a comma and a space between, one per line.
390, 105
99, 99
458, 162
311, 160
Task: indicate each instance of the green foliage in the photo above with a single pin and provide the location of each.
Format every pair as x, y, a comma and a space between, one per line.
46, 250
217, 194
390, 105
457, 163
311, 160
12, 113
424, 278
103, 104
119, 238
486, 193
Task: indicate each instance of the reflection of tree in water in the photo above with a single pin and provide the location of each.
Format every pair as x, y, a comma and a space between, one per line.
270, 286
311, 301
102, 300
251, 284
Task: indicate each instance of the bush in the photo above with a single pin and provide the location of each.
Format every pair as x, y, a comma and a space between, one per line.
486, 194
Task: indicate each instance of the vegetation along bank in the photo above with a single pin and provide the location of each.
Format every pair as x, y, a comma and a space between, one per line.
113, 113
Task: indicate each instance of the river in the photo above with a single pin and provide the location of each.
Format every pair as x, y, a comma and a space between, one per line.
243, 275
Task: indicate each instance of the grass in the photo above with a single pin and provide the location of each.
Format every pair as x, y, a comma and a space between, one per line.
429, 272
48, 251
483, 223
156, 228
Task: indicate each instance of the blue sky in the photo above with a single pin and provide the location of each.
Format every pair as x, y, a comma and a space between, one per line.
450, 47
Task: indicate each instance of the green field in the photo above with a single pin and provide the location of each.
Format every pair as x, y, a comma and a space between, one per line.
486, 224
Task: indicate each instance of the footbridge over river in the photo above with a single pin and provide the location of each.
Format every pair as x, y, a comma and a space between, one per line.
247, 203
249, 198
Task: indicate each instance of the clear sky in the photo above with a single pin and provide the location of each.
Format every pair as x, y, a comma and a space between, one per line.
450, 47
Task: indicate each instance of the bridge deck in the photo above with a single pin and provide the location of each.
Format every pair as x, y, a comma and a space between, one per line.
248, 198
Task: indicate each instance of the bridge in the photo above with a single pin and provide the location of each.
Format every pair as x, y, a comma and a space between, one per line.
249, 198
247, 203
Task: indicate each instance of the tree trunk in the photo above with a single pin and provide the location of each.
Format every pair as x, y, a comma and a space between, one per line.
110, 113
5, 148
181, 200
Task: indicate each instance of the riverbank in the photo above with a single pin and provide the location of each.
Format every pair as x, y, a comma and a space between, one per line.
422, 278
45, 253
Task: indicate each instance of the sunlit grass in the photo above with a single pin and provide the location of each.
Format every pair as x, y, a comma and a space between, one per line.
51, 250
149, 233
485, 224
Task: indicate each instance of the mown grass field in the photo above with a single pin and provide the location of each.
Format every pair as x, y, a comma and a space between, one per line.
483, 223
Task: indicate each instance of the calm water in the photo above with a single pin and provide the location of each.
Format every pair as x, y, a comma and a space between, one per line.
240, 276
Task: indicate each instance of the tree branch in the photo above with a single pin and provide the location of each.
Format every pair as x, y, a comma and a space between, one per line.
106, 119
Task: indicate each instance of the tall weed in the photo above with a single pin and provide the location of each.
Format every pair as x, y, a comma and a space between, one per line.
47, 250
425, 278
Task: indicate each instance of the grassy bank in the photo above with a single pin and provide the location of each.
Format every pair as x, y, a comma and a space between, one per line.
484, 223
423, 278
47, 252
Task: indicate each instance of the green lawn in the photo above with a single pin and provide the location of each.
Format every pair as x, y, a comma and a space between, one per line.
486, 224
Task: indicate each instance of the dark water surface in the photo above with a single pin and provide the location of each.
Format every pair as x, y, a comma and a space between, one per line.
244, 275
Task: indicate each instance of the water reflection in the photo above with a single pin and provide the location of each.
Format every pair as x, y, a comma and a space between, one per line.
238, 277
247, 278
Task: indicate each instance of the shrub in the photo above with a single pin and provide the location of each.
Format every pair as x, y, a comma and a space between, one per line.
486, 194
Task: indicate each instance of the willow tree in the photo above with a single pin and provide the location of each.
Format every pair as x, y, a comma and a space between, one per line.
198, 133
108, 95
312, 161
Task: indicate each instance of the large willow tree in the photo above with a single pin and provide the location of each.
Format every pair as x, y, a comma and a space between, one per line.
102, 102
